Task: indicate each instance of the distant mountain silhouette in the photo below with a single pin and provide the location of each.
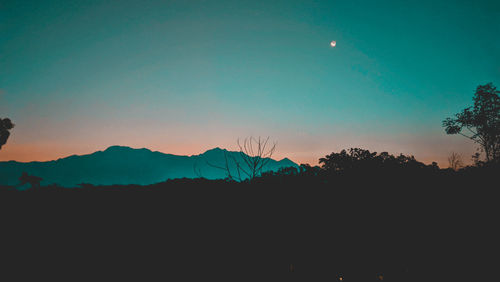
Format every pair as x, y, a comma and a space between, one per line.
125, 165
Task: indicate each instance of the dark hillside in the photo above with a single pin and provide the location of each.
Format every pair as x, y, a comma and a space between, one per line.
411, 227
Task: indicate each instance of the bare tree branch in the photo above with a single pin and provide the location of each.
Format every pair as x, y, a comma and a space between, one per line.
255, 153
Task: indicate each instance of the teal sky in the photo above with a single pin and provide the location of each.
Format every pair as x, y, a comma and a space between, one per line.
185, 76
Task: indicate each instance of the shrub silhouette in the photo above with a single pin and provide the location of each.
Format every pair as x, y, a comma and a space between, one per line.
34, 181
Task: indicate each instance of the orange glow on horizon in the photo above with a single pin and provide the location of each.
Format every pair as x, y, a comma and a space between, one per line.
45, 152
48, 152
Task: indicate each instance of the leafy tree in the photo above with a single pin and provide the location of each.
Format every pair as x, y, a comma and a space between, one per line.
308, 170
481, 122
5, 126
346, 160
360, 159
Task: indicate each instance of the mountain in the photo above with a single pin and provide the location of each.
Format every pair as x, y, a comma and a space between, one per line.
125, 165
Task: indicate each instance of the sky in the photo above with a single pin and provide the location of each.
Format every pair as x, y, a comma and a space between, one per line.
184, 76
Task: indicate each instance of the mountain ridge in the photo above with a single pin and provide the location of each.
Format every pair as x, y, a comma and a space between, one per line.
125, 165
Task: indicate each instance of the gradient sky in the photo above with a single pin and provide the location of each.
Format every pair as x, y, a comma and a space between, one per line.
185, 76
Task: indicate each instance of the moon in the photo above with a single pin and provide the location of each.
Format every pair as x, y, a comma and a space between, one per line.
333, 43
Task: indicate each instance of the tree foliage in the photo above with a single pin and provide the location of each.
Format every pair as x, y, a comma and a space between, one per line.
480, 122
361, 159
5, 126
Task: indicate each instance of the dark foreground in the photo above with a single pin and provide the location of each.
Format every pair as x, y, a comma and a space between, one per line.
408, 228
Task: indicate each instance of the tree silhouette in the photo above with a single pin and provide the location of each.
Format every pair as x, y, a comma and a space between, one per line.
455, 161
5, 125
356, 159
226, 167
255, 153
481, 122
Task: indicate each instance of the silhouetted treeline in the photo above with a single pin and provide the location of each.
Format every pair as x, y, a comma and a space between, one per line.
358, 215
378, 170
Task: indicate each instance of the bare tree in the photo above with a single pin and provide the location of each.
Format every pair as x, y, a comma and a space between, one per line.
197, 170
455, 161
226, 167
255, 154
